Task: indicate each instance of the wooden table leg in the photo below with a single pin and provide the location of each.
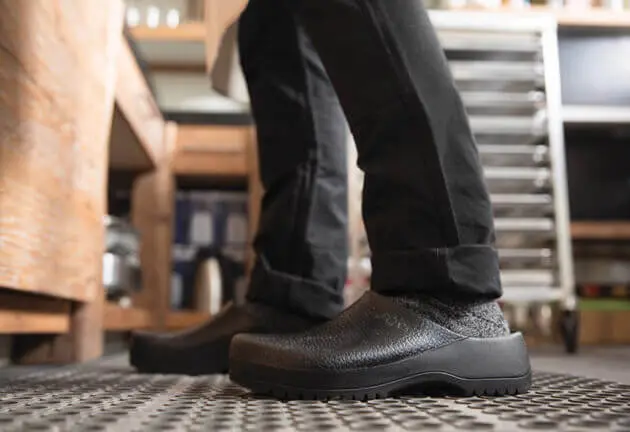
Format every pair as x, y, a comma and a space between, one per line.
153, 202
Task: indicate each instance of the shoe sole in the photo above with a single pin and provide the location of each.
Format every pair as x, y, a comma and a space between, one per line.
482, 367
424, 383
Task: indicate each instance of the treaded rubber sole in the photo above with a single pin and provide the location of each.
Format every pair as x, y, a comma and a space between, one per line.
429, 382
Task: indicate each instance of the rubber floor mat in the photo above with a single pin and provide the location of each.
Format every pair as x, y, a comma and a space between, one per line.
105, 396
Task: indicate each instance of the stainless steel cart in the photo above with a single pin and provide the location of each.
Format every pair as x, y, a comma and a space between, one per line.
507, 69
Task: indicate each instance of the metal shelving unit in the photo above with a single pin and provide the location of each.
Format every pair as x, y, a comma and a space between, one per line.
508, 73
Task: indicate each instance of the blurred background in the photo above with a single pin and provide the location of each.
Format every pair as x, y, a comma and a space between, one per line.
128, 175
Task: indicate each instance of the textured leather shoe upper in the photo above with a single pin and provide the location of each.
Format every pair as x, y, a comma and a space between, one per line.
230, 320
374, 331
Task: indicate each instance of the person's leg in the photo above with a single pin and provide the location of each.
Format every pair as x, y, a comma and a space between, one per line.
301, 243
433, 315
302, 239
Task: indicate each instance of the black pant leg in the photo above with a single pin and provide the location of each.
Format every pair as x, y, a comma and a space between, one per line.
426, 206
301, 243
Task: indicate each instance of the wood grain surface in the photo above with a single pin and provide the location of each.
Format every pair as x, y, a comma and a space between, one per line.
126, 152
153, 205
599, 327
120, 319
184, 32
212, 150
141, 114
27, 313
57, 82
600, 230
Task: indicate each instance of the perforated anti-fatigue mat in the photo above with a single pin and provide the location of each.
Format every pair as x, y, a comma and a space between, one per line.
107, 397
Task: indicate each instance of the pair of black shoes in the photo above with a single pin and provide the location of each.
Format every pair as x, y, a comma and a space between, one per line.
378, 347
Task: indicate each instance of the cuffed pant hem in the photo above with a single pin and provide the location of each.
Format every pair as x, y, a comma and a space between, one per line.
469, 270
293, 293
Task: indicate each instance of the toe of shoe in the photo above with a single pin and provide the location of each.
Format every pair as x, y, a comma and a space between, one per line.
246, 346
265, 350
146, 349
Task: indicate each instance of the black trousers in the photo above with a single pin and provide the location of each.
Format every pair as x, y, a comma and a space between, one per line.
425, 204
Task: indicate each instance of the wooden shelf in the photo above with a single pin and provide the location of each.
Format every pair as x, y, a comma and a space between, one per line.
24, 313
29, 321
187, 32
183, 319
118, 318
593, 17
600, 230
125, 150
212, 151
136, 140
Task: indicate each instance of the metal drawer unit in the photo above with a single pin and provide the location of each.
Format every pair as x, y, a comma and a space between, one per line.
507, 70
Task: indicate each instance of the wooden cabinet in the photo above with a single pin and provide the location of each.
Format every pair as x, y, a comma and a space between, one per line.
57, 82
56, 103
73, 105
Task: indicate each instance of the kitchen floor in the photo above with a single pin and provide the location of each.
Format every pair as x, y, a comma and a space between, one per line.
590, 391
610, 363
